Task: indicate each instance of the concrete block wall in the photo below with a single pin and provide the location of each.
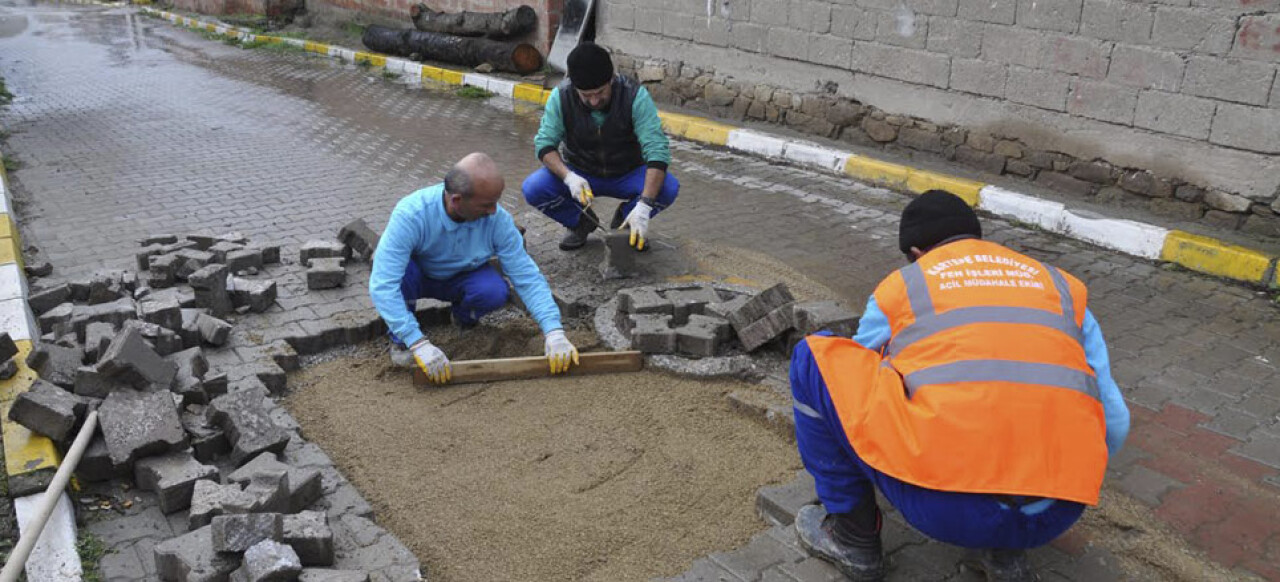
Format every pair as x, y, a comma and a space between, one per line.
1186, 90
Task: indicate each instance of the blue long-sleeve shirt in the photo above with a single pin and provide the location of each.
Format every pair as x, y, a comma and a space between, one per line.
421, 231
874, 333
644, 117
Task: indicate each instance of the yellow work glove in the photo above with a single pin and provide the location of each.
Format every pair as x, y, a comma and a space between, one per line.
432, 361
579, 189
560, 351
638, 222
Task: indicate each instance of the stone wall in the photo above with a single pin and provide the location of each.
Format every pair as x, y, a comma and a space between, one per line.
1173, 106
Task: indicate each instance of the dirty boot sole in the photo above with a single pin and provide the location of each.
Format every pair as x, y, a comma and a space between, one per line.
819, 543
1018, 570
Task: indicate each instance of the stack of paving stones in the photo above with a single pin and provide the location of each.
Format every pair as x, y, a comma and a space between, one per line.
223, 486
701, 321
326, 260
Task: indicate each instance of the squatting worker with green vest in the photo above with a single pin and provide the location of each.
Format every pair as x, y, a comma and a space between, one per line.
613, 146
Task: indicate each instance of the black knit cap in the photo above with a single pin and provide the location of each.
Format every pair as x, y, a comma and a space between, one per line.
590, 66
933, 217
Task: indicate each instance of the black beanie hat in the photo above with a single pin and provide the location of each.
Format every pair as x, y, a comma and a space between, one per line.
590, 66
933, 217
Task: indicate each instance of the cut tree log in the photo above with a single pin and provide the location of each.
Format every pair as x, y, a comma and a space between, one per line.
418, 45
472, 371
513, 22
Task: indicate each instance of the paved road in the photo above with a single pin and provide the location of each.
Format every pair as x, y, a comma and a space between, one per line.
127, 127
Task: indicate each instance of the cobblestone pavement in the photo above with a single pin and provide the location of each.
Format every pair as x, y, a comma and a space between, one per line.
127, 127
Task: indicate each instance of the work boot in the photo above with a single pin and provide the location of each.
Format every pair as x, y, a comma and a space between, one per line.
855, 551
1001, 565
577, 236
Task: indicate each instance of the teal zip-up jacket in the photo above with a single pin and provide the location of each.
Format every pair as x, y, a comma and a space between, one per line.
421, 231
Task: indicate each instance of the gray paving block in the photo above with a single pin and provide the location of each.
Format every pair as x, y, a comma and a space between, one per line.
244, 259
215, 385
210, 499
104, 287
258, 294
326, 273
686, 302
760, 306
619, 258
213, 330
57, 321
191, 557
360, 238
322, 575
244, 418
776, 323
130, 359
97, 337
173, 477
813, 316
93, 384
778, 504
8, 369
701, 336
643, 300
49, 410
221, 249
138, 424
210, 286
56, 364
190, 261
143, 256
304, 484
270, 254
208, 442
162, 311
269, 492
237, 533
757, 555
318, 249
190, 332
42, 300
309, 534
269, 561
162, 271
158, 239
163, 340
652, 334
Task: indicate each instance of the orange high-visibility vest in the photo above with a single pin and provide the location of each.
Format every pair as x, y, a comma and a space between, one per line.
983, 386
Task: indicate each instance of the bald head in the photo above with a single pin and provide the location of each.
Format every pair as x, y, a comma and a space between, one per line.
473, 187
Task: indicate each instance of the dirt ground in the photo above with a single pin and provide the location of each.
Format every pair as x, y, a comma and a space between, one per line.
619, 477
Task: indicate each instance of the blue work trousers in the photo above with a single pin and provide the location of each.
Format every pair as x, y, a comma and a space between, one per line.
471, 293
971, 520
544, 191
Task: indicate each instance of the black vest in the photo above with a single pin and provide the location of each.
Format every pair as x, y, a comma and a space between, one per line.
608, 150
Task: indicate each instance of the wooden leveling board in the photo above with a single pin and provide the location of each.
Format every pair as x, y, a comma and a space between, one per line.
470, 371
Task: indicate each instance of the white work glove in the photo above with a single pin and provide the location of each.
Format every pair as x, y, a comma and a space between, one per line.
579, 188
432, 361
638, 222
560, 351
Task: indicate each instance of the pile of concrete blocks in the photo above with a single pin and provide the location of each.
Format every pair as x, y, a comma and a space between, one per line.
678, 321
219, 269
700, 320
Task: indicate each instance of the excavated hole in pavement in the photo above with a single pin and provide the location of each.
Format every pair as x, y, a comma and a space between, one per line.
610, 477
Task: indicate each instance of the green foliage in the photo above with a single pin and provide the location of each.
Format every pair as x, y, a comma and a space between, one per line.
91, 550
469, 92
354, 29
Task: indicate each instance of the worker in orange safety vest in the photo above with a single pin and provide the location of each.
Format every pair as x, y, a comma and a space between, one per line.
976, 395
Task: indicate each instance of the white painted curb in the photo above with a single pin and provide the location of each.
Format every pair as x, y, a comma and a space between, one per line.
54, 558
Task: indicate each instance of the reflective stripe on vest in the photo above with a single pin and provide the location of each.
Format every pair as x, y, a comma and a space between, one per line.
929, 322
1002, 371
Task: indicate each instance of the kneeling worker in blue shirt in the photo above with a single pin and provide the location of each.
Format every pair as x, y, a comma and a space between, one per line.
437, 244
